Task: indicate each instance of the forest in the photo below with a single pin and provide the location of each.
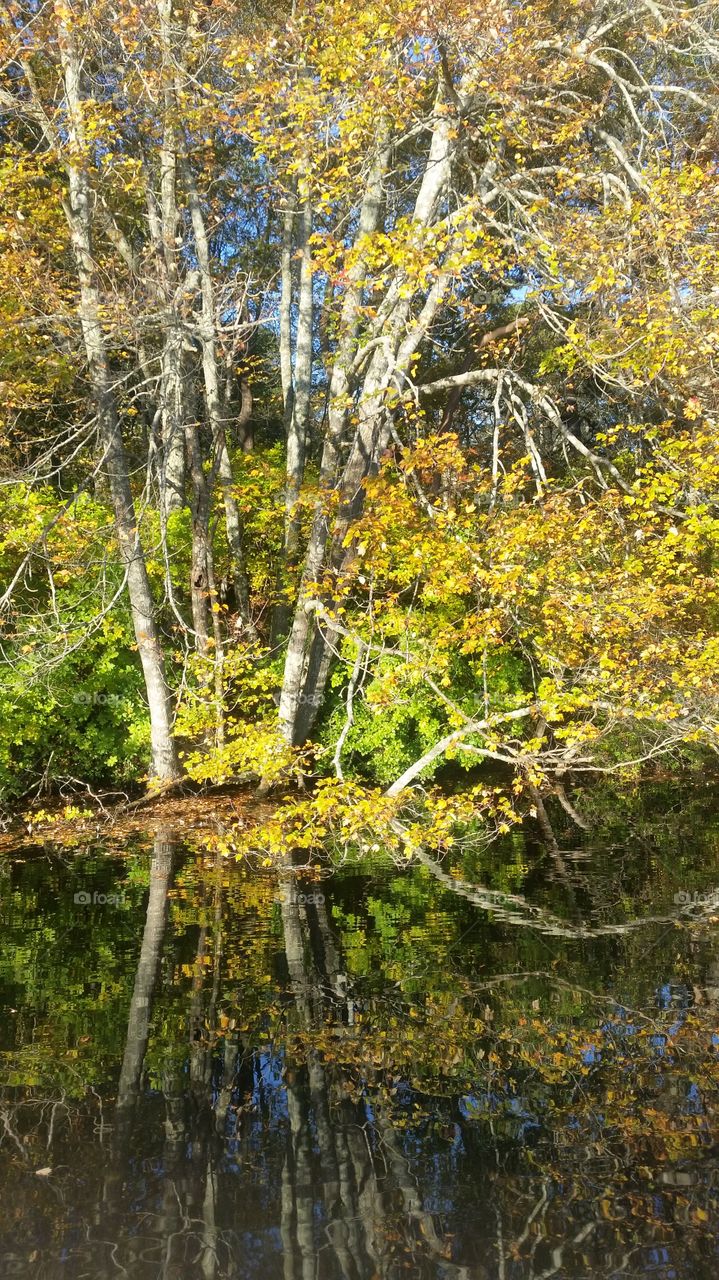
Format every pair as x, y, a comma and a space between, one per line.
358, 401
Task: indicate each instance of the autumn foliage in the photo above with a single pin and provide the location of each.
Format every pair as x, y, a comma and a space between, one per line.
358, 398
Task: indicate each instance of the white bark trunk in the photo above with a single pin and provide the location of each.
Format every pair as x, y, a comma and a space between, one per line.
308, 657
288, 239
78, 213
173, 460
299, 425
233, 522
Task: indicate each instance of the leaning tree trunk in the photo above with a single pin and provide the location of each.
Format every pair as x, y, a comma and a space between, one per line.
78, 213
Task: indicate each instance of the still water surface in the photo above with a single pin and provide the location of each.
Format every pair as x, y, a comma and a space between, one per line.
209, 1071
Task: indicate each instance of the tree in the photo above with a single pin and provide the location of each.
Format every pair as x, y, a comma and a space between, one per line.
73, 145
147, 304
458, 167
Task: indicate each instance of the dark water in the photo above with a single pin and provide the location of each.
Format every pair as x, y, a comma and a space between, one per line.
209, 1071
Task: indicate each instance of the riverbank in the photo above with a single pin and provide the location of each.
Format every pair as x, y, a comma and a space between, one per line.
69, 823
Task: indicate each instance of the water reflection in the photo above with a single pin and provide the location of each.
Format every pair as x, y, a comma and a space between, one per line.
148, 965
231, 1075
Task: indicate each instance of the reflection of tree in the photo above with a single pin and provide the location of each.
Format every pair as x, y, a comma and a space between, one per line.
196, 1095
204, 1147
118, 1174
612, 1097
148, 967
373, 1209
376, 1091
307, 1100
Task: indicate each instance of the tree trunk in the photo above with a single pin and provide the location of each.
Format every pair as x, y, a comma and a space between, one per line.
296, 379
199, 570
233, 522
172, 480
244, 427
173, 460
303, 627
78, 213
299, 425
309, 654
288, 238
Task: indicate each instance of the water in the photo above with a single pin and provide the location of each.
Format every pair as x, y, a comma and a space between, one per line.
212, 1071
